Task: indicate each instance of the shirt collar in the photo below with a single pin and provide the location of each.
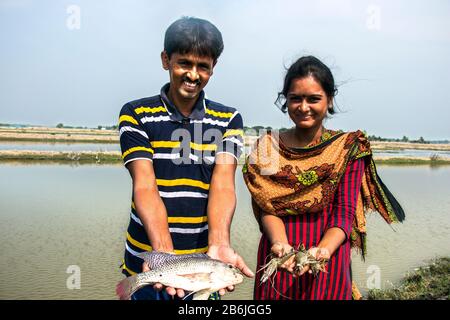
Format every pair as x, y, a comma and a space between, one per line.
198, 111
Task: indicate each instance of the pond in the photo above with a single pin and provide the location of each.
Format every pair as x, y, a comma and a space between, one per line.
53, 217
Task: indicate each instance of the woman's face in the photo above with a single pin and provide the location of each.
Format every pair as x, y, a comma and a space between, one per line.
307, 103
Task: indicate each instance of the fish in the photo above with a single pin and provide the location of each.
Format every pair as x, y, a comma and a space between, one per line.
196, 272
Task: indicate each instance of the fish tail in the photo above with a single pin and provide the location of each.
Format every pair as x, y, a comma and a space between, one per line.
127, 287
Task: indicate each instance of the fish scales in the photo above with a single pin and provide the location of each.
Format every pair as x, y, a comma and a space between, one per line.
194, 272
155, 259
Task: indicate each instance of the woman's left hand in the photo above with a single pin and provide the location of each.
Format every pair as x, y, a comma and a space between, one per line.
319, 254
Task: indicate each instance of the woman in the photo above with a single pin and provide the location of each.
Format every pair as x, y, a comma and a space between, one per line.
312, 186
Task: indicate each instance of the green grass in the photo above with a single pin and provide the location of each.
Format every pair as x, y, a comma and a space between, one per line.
101, 157
412, 161
64, 157
430, 282
71, 140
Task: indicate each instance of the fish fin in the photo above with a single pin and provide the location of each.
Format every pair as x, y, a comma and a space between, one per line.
202, 294
142, 254
190, 294
127, 287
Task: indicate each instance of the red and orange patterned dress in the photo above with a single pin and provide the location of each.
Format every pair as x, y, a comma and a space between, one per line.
308, 229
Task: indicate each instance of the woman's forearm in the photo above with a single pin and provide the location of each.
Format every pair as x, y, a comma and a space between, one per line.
274, 229
332, 239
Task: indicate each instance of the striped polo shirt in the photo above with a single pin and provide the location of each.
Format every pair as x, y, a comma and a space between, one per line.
183, 151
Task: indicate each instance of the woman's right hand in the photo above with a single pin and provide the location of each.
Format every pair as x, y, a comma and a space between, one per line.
279, 249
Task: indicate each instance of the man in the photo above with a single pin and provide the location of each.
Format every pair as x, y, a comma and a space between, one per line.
181, 150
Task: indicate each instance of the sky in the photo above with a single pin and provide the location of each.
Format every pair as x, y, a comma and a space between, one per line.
77, 62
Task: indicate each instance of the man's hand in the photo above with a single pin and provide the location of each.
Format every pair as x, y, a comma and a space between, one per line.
228, 255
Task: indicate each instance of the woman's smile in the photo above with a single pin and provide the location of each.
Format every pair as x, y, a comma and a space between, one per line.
303, 117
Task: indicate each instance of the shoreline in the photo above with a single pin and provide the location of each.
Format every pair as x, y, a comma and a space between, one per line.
73, 135
59, 135
88, 157
47, 135
114, 157
248, 141
428, 282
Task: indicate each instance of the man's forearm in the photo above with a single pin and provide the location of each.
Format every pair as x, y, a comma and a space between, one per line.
221, 207
153, 215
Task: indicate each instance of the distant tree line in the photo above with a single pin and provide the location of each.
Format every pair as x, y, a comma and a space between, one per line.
61, 125
404, 139
114, 127
255, 130
99, 127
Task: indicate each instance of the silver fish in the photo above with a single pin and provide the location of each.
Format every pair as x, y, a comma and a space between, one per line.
196, 272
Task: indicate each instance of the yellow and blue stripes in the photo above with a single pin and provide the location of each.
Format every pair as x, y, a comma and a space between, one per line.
146, 128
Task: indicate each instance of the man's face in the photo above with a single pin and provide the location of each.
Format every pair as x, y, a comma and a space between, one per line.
189, 74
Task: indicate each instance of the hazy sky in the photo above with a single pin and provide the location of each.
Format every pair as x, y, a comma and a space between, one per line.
392, 59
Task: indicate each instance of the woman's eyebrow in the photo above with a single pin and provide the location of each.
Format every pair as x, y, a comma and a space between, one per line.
314, 95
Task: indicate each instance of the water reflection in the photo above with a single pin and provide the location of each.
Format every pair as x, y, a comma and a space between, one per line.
99, 147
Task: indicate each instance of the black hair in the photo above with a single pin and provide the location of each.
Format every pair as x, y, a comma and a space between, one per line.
193, 35
304, 67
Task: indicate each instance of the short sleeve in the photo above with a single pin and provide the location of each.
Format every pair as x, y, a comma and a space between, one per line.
345, 201
233, 137
134, 140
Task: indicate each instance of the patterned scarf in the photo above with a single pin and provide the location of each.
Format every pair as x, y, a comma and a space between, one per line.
286, 181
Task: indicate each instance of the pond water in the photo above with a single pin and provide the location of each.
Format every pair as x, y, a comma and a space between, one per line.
56, 216
99, 147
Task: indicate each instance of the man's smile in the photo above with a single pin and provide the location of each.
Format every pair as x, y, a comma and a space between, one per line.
190, 85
